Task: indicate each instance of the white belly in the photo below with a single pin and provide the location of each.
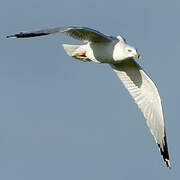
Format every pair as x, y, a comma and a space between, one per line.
100, 52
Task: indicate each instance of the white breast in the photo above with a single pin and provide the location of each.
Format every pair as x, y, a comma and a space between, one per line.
100, 52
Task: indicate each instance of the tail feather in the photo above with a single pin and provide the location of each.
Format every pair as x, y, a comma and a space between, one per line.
71, 50
74, 51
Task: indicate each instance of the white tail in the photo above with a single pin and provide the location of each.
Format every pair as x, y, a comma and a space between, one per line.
76, 52
71, 50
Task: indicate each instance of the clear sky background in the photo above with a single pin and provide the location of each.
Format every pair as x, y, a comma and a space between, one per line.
63, 119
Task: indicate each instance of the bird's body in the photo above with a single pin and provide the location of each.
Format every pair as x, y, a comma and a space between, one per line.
99, 52
119, 55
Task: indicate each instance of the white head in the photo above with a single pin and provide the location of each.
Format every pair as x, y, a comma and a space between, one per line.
130, 51
123, 50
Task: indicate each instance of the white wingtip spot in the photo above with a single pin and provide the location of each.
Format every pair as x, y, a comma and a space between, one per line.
168, 163
11, 36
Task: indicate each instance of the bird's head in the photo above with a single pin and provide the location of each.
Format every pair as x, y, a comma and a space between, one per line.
123, 51
131, 52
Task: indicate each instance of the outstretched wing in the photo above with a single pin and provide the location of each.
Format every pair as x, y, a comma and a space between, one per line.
146, 96
80, 33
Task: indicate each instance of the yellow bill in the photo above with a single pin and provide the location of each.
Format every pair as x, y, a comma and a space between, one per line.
137, 55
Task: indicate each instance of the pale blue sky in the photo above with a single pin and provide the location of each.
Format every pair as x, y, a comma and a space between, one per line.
64, 119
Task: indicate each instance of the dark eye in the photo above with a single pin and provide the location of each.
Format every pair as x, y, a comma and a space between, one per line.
129, 50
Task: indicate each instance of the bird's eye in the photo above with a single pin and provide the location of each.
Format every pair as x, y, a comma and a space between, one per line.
129, 50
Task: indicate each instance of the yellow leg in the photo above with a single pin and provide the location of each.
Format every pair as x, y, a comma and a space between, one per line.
81, 56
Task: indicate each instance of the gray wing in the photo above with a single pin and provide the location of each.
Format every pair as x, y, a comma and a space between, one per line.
80, 33
146, 96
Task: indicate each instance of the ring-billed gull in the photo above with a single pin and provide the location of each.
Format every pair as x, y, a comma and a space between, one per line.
119, 55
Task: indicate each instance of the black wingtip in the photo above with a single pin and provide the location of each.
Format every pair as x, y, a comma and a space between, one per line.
11, 36
26, 35
20, 35
165, 155
164, 152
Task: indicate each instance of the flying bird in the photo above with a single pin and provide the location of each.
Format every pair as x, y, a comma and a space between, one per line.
119, 55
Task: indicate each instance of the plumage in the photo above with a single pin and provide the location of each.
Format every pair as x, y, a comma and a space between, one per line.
119, 55
81, 33
146, 96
